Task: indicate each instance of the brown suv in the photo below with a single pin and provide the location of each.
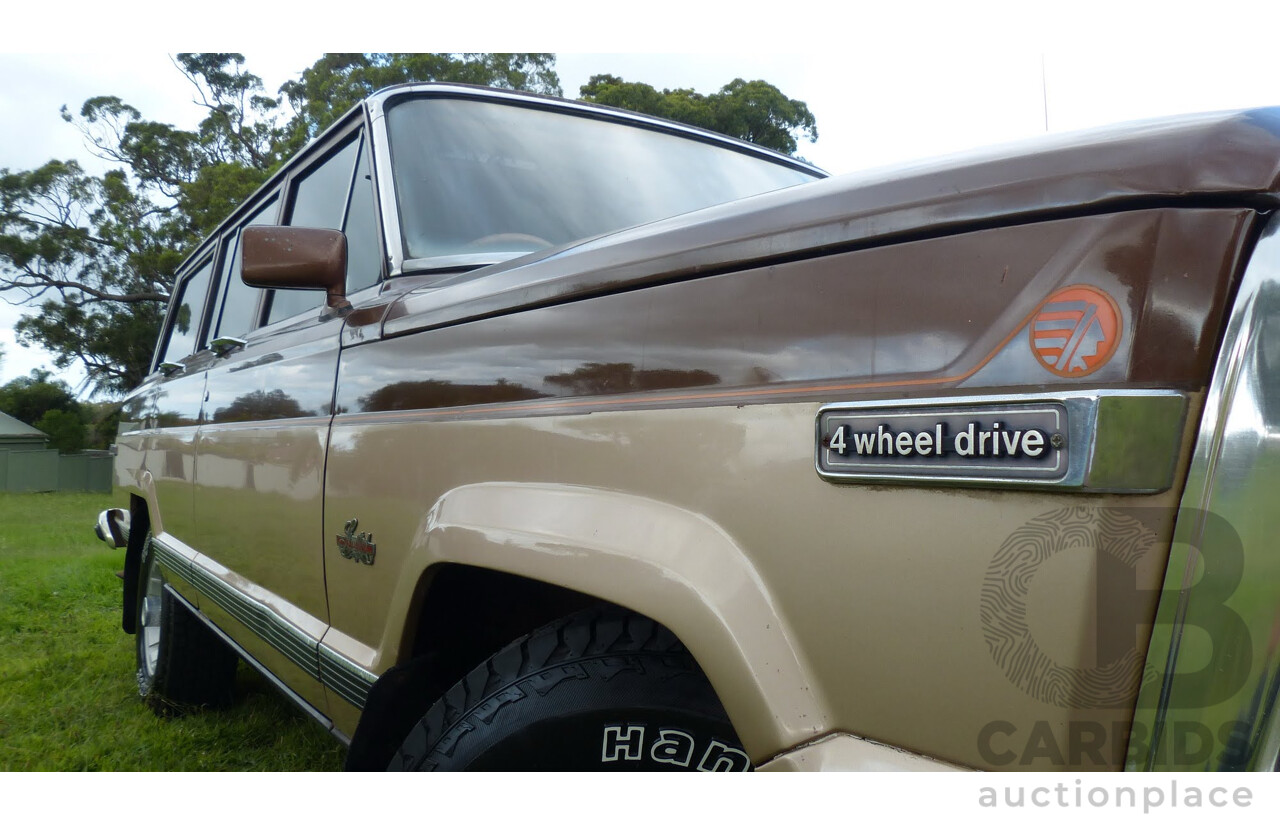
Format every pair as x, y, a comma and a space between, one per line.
506, 432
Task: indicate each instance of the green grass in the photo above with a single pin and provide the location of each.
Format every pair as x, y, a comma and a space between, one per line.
68, 698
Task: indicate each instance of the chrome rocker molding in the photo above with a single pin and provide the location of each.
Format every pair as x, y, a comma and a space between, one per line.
1118, 441
337, 673
1226, 533
296, 646
344, 677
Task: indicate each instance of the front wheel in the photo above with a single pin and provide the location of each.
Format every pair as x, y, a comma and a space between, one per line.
601, 690
182, 664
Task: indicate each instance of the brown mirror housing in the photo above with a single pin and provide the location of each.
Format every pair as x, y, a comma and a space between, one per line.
296, 257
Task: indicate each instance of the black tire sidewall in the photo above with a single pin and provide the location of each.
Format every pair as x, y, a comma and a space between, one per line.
634, 711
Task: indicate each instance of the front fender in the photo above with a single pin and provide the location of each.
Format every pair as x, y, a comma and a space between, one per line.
672, 565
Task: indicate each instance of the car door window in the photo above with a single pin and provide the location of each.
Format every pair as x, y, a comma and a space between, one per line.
238, 302
319, 201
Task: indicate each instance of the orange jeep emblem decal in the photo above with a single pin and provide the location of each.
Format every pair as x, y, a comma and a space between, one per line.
1076, 331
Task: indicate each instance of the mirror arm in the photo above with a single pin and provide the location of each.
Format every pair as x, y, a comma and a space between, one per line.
336, 299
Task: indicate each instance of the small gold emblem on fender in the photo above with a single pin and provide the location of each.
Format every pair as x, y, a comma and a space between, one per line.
358, 547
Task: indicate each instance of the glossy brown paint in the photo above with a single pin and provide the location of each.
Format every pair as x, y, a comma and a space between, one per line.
907, 319
1203, 160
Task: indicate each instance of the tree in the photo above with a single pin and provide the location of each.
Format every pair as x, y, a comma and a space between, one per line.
336, 82
48, 405
29, 398
753, 111
95, 256
66, 430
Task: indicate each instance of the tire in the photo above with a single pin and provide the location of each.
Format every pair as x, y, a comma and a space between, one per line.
600, 690
182, 664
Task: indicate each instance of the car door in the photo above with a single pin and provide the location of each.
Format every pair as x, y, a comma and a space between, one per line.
167, 407
262, 440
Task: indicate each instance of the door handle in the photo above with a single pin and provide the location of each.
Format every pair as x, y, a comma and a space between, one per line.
226, 345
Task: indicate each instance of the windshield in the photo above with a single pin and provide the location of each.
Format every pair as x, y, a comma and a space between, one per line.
483, 178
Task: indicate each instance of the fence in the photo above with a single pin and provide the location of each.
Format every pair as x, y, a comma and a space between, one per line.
36, 471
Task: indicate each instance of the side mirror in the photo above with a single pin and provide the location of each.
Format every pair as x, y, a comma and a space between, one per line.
296, 257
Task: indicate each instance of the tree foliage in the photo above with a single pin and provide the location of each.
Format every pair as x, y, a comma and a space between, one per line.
95, 255
753, 111
336, 82
48, 405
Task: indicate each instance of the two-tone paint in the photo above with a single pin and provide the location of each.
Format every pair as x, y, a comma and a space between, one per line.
633, 418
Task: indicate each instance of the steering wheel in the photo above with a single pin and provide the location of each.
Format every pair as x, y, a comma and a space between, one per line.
505, 238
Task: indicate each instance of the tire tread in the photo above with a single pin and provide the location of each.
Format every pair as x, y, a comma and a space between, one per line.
593, 640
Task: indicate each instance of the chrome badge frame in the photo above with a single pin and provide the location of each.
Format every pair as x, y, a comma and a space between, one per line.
1116, 441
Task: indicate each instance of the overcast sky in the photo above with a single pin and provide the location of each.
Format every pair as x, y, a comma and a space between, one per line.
885, 88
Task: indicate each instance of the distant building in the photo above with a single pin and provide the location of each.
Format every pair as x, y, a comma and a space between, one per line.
14, 435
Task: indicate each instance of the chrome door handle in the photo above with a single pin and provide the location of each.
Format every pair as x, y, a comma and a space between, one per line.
226, 345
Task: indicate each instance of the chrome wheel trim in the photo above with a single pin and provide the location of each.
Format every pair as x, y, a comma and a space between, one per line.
149, 621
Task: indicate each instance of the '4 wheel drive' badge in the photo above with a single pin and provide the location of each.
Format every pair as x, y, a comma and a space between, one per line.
1076, 331
356, 546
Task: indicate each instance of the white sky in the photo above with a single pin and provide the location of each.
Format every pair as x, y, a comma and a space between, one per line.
886, 86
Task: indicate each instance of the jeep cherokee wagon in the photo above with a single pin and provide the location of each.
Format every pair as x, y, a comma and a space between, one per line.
500, 431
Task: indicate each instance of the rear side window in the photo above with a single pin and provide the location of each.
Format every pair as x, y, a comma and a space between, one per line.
187, 314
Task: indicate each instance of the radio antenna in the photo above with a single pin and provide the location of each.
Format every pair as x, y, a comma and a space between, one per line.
1044, 92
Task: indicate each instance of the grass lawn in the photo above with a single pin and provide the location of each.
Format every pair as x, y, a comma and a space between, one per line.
68, 698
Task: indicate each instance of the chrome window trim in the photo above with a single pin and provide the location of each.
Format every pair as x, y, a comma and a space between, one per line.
1239, 434
385, 196
445, 263
1141, 425
333, 670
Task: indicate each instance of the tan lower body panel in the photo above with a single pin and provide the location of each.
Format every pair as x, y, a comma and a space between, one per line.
843, 752
884, 594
